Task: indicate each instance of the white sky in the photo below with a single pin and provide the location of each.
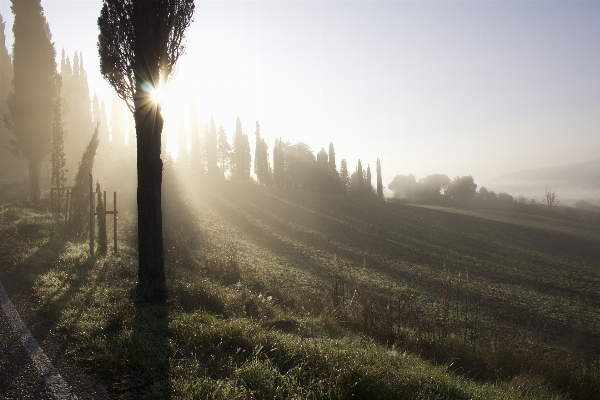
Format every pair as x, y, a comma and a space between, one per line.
476, 88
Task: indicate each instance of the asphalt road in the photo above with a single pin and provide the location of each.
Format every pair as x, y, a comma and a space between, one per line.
20, 377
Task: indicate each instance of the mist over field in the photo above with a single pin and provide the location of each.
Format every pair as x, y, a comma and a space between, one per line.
299, 199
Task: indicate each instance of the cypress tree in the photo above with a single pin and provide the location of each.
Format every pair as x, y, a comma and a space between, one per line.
223, 151
332, 157
77, 219
58, 177
368, 185
360, 178
139, 45
31, 101
241, 160
261, 159
344, 176
10, 164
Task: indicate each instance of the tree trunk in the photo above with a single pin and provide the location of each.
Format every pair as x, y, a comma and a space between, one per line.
149, 125
34, 181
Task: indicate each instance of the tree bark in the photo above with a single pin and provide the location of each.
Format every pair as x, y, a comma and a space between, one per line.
152, 282
34, 180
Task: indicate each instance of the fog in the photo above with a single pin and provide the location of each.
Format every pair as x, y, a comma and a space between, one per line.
453, 88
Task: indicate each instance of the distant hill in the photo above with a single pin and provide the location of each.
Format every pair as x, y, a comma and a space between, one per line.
581, 180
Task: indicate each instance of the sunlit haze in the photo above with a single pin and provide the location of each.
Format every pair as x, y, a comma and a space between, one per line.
451, 87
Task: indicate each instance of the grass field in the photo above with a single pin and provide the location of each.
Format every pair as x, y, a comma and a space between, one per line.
276, 294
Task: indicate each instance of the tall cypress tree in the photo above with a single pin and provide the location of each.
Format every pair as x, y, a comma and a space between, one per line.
223, 151
10, 165
77, 107
332, 157
58, 177
360, 180
241, 160
368, 184
31, 101
261, 159
139, 44
77, 218
344, 176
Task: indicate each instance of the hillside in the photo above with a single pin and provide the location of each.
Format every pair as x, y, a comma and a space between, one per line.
300, 239
278, 294
573, 181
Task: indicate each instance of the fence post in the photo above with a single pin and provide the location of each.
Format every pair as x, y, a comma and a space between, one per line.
91, 217
115, 220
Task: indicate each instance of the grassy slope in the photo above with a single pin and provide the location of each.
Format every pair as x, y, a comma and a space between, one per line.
275, 333
527, 270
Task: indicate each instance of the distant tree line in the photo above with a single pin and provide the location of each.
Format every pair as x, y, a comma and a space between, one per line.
293, 166
439, 188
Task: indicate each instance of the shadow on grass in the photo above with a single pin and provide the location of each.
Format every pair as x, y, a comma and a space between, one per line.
150, 350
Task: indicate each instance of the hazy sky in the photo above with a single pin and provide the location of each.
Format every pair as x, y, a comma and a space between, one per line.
476, 88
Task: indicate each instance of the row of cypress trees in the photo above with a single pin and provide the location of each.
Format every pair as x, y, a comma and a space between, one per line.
46, 113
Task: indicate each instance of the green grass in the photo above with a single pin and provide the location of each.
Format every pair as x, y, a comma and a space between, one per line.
277, 294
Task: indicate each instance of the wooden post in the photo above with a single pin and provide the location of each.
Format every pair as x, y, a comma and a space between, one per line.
115, 220
91, 216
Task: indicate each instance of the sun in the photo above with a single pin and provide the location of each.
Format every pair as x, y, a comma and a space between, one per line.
156, 94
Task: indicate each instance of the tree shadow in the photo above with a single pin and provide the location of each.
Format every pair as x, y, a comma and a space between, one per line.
150, 349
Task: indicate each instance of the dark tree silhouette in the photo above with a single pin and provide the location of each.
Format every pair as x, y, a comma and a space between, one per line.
344, 176
76, 104
261, 159
241, 159
332, 157
379, 181
77, 218
139, 44
432, 186
369, 184
31, 101
10, 165
461, 188
58, 161
360, 178
223, 151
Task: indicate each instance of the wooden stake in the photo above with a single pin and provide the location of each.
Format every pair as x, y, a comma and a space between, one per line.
115, 220
91, 216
